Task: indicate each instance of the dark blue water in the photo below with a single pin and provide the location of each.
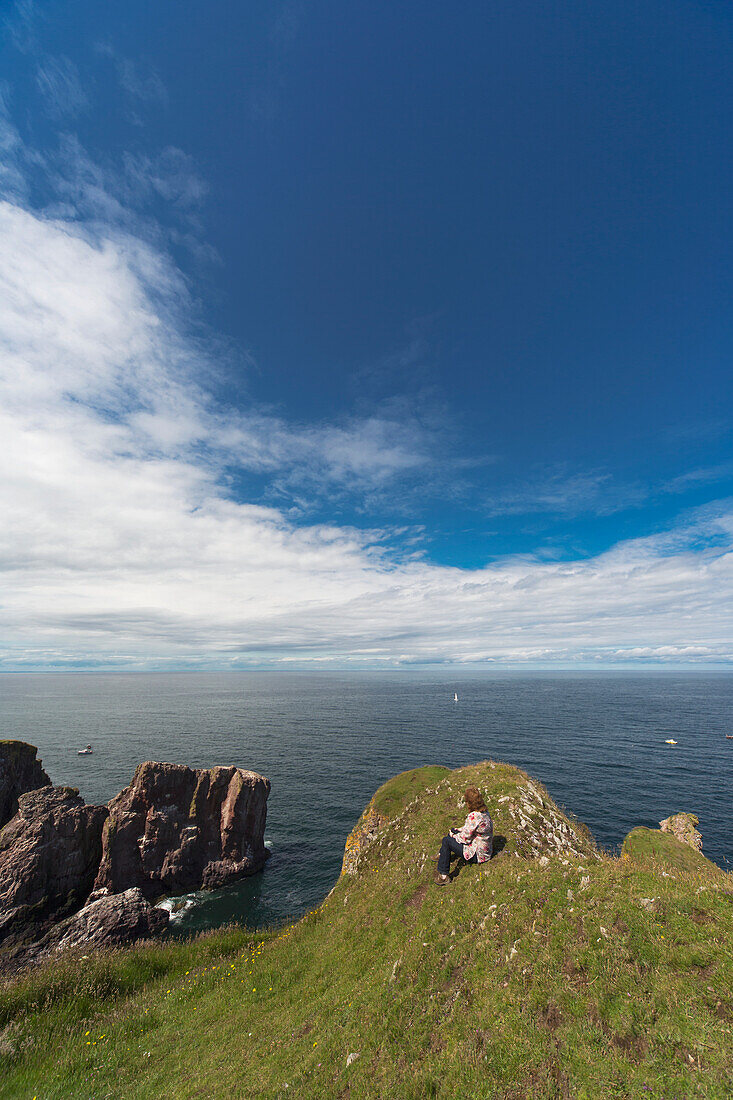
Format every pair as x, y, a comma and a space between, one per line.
327, 741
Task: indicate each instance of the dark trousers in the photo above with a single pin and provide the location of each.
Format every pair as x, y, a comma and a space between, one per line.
449, 849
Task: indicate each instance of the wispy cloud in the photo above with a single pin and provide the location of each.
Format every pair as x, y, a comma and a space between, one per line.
20, 24
703, 475
171, 174
140, 83
157, 198
59, 84
12, 179
270, 83
562, 492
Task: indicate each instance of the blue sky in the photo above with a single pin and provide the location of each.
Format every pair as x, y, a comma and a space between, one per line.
368, 318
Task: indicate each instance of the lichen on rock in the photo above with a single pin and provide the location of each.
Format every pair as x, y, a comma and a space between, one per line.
361, 836
683, 826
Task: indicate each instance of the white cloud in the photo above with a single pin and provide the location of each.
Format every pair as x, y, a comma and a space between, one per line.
112, 455
140, 83
12, 180
563, 493
119, 541
59, 84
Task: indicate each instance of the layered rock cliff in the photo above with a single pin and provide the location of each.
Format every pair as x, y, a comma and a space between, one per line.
49, 855
176, 829
109, 921
20, 771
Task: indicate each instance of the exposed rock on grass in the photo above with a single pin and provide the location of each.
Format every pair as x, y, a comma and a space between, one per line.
684, 827
363, 833
526, 820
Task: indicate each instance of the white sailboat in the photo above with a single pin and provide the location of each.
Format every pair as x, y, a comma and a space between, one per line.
455, 696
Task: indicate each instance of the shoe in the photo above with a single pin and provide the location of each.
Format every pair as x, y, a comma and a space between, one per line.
442, 880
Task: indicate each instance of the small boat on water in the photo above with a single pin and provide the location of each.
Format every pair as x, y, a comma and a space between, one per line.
729, 736
669, 741
455, 696
85, 752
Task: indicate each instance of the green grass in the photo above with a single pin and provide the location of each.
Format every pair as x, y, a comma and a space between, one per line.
392, 797
652, 847
589, 978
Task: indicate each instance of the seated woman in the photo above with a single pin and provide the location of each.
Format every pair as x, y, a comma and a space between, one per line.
473, 842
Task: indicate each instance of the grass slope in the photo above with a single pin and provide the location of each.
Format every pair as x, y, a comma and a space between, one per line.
653, 848
568, 976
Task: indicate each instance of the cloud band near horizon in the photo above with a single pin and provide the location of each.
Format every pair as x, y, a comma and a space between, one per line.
123, 542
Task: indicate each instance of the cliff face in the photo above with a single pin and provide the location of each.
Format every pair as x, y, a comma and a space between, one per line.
176, 829
20, 771
49, 854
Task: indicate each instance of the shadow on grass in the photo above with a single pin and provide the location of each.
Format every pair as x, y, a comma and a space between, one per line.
498, 848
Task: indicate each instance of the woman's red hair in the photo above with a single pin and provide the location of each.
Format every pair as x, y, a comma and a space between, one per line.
474, 799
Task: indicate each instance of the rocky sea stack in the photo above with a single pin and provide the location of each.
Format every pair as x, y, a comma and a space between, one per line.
176, 829
72, 874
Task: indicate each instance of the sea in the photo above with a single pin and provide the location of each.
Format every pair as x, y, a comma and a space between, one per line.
327, 740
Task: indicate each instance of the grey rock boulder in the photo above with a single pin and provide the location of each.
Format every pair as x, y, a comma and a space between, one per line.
110, 921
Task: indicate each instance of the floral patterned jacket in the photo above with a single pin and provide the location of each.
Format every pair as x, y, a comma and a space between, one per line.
476, 836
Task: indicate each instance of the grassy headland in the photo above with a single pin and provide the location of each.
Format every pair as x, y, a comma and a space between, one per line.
542, 974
